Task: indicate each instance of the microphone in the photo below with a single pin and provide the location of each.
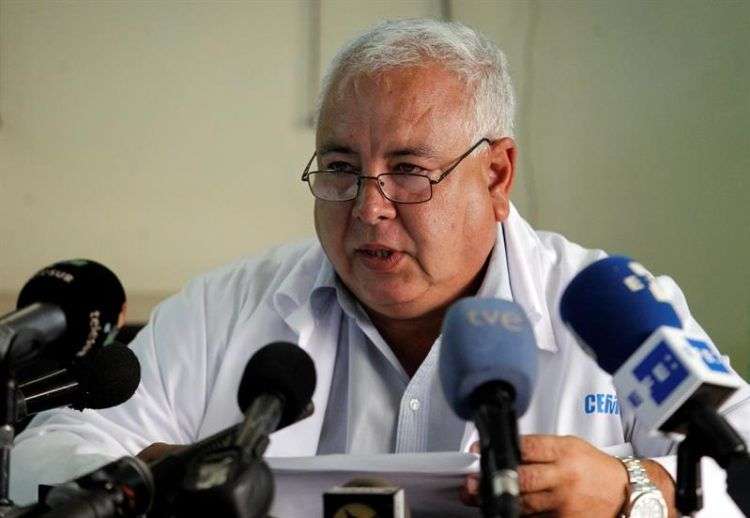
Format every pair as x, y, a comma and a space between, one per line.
216, 473
108, 379
75, 306
366, 497
70, 309
673, 381
275, 391
121, 488
278, 370
624, 319
169, 471
488, 369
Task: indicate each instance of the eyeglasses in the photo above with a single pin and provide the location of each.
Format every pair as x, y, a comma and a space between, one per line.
330, 185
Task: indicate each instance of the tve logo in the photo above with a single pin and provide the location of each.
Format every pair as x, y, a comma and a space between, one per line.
509, 320
661, 372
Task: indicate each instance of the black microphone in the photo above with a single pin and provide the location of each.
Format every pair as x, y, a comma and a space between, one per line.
275, 391
122, 488
169, 471
275, 364
71, 308
108, 379
127, 487
65, 311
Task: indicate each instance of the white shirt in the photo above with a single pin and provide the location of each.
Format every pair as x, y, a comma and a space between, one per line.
374, 407
197, 343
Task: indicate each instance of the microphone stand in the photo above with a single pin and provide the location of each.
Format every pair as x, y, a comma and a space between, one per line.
8, 389
121, 489
499, 486
227, 484
689, 495
710, 435
235, 481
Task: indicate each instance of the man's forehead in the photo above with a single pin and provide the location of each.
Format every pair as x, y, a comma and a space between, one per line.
409, 108
419, 81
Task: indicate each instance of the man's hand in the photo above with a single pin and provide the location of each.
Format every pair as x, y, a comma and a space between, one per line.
158, 450
568, 477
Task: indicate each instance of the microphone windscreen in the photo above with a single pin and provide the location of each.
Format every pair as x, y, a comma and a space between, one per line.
89, 294
279, 368
109, 379
486, 340
613, 306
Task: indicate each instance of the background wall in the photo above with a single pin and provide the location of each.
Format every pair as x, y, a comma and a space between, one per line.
167, 138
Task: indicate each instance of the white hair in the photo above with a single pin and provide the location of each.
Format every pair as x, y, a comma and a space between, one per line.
418, 42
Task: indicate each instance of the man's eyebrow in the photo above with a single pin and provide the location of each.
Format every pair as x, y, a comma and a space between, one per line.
335, 148
420, 151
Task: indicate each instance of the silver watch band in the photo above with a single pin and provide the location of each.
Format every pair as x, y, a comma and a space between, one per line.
637, 476
644, 498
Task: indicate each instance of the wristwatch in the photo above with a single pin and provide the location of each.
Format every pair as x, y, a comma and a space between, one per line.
644, 498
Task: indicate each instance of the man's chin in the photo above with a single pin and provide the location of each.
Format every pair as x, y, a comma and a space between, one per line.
397, 303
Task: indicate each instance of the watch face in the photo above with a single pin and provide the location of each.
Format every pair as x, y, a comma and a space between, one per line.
648, 506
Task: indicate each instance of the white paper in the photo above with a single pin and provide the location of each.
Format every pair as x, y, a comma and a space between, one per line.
430, 481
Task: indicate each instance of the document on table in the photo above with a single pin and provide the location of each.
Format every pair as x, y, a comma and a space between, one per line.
430, 481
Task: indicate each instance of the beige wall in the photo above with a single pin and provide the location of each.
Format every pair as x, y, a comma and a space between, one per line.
635, 137
166, 138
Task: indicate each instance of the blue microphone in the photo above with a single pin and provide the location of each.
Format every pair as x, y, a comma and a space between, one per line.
614, 305
488, 368
674, 382
625, 320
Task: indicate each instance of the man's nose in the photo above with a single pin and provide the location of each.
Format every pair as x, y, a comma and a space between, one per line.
371, 206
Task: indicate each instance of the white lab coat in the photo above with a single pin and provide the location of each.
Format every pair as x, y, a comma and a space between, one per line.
197, 343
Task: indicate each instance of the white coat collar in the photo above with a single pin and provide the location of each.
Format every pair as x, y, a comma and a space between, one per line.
528, 277
293, 301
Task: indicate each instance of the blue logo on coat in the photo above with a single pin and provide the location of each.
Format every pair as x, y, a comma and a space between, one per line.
601, 404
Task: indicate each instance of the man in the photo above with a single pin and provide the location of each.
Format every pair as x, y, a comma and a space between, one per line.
412, 176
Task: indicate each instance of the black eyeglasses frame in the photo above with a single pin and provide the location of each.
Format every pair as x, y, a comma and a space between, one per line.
360, 177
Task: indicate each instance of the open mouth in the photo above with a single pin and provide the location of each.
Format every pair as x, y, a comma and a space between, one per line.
377, 254
378, 258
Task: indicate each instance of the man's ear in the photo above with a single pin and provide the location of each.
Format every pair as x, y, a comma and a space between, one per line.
501, 171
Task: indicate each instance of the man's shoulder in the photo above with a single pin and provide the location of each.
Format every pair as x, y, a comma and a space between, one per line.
562, 260
550, 252
259, 273
280, 258
240, 286
561, 252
